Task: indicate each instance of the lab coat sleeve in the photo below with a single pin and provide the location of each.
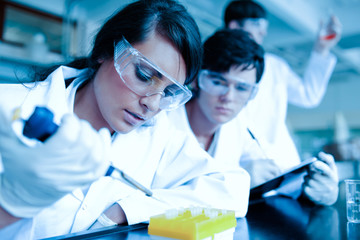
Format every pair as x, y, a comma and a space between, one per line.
309, 90
20, 230
188, 176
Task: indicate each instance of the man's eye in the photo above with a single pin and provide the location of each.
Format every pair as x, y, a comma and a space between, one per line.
242, 87
143, 74
217, 82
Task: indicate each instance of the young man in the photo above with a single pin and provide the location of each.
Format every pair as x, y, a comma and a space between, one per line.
232, 67
279, 86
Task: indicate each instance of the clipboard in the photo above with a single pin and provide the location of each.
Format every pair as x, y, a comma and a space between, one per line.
257, 192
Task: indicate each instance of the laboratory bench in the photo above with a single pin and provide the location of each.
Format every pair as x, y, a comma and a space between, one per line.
274, 218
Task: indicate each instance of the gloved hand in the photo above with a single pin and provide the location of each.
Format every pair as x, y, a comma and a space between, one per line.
36, 177
328, 36
322, 183
260, 170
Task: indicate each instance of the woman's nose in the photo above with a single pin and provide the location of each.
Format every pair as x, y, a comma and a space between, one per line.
152, 102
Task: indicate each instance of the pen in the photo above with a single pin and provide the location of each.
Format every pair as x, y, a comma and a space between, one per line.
257, 142
129, 179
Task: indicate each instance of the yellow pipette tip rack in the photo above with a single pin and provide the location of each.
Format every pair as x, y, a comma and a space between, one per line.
193, 223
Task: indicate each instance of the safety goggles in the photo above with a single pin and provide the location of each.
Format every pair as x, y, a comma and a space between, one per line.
256, 23
217, 85
146, 79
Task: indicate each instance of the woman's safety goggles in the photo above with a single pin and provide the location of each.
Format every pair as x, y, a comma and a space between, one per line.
217, 85
146, 79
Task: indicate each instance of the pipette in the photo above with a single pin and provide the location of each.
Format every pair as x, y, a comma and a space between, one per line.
40, 126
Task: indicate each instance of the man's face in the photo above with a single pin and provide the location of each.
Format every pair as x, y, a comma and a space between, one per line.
256, 27
223, 96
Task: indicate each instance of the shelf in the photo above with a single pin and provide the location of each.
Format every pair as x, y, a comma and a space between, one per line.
15, 62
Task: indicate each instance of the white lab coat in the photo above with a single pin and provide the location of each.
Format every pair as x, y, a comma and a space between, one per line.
266, 113
231, 143
161, 158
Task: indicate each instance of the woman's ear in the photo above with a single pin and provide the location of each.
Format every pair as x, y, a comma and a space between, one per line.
100, 60
193, 85
194, 88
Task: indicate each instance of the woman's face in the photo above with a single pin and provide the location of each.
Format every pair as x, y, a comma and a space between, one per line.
123, 110
223, 108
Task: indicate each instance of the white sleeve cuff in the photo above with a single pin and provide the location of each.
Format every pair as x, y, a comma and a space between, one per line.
103, 221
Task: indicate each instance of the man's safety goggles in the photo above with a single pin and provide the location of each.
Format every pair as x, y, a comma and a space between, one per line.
146, 79
256, 23
217, 85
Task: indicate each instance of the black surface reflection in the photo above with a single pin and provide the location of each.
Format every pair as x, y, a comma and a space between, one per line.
286, 218
273, 218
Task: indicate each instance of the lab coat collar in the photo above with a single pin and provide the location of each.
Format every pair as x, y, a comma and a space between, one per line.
49, 92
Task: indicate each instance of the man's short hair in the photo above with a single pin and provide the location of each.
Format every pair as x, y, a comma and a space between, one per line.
241, 9
228, 48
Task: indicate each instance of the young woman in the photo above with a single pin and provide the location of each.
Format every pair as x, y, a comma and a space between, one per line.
141, 60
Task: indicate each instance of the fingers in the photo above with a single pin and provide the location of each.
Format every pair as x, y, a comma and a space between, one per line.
321, 184
66, 134
332, 26
77, 143
321, 172
263, 170
328, 159
319, 168
271, 167
329, 35
324, 166
262, 167
321, 192
335, 24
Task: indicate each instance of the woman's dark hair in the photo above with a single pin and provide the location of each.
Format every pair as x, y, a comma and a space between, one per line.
135, 22
241, 9
228, 48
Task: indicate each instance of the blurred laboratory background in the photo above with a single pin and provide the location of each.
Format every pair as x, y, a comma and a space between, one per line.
38, 33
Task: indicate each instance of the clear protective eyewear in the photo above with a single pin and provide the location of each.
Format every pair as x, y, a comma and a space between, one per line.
257, 23
216, 84
146, 79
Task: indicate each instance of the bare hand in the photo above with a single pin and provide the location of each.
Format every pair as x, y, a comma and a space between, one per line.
321, 184
328, 36
261, 170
